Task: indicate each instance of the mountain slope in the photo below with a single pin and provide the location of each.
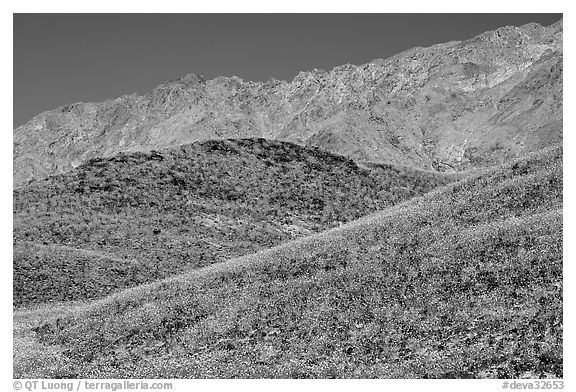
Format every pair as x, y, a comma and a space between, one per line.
449, 107
465, 281
134, 218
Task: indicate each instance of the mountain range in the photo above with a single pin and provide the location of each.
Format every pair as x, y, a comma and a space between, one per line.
448, 107
397, 219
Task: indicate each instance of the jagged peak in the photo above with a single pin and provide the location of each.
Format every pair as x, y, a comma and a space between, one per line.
301, 110
558, 25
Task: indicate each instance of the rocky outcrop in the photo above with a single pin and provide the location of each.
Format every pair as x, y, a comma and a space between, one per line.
448, 107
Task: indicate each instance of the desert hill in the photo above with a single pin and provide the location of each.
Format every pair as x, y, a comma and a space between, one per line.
448, 107
117, 222
465, 281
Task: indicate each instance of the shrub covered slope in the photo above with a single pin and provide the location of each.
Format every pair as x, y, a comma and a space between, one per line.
118, 222
465, 281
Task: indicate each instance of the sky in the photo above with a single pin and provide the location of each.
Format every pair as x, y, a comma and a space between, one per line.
66, 58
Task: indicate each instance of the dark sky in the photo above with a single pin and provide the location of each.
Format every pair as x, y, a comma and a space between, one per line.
65, 58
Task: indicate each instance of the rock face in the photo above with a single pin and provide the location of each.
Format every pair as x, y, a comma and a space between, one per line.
448, 107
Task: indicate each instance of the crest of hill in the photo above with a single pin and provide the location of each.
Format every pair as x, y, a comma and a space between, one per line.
449, 107
117, 222
465, 281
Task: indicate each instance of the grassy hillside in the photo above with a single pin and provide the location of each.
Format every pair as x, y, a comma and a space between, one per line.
465, 281
119, 222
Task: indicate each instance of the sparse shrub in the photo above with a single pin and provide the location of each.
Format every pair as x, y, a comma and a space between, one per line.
419, 290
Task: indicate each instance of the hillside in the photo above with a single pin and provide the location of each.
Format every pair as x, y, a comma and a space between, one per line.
117, 222
465, 281
449, 107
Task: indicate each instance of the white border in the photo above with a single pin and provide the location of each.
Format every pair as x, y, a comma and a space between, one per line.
420, 6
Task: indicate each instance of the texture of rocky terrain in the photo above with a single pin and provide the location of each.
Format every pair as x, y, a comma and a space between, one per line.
447, 107
319, 228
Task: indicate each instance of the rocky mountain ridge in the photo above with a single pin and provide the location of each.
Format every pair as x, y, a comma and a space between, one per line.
448, 107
